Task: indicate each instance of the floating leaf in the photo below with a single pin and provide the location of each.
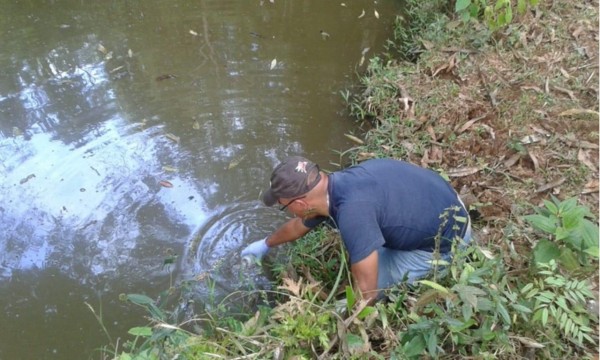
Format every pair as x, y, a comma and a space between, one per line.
273, 64
196, 125
165, 183
362, 14
130, 53
102, 49
354, 138
193, 33
173, 137
165, 77
169, 169
26, 179
235, 162
141, 331
376, 14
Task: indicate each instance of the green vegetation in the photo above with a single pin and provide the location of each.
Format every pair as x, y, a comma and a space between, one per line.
506, 108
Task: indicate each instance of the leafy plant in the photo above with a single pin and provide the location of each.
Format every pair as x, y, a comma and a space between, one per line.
495, 13
560, 302
470, 312
573, 238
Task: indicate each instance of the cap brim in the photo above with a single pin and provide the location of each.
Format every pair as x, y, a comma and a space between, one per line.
269, 198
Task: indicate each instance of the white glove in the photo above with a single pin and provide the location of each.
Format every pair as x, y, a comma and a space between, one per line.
257, 249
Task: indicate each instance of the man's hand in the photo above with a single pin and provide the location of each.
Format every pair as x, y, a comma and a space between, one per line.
258, 249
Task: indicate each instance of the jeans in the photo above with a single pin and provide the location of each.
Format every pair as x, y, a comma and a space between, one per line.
394, 265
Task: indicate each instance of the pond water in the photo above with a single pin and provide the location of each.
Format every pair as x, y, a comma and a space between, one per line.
133, 131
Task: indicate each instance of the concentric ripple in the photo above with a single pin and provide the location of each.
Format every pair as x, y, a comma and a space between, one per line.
214, 250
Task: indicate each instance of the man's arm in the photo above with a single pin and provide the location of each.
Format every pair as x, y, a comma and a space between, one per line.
365, 276
291, 230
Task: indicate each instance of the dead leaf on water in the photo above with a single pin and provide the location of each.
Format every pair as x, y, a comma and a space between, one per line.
362, 14
173, 137
130, 53
235, 162
102, 49
273, 64
26, 179
169, 169
165, 77
165, 183
460, 172
354, 138
196, 125
376, 14
193, 33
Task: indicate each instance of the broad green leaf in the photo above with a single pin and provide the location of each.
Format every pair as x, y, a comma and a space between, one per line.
354, 342
461, 5
589, 233
567, 205
141, 331
414, 347
542, 223
593, 251
432, 344
569, 260
549, 204
544, 251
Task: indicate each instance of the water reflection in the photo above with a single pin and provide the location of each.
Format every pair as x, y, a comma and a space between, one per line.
131, 131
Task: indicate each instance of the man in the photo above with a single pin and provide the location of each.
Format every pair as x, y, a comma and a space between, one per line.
390, 215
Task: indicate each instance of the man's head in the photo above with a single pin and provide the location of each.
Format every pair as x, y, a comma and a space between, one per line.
293, 178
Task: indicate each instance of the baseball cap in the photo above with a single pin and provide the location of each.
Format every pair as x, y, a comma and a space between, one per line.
293, 177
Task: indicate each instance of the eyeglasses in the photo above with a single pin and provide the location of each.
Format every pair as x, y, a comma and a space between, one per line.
283, 207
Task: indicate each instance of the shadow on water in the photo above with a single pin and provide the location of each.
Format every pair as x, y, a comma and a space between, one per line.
130, 131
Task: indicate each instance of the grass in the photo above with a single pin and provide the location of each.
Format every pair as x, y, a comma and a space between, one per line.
511, 118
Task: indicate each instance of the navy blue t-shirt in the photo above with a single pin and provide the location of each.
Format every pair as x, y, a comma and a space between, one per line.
391, 203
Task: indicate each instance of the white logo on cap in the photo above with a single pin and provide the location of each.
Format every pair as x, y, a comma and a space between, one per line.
301, 167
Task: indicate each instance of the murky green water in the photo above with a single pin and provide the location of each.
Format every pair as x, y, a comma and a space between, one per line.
129, 129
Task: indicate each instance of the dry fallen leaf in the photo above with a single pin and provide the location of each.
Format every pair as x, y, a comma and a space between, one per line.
572, 112
362, 14
590, 187
376, 14
193, 33
466, 171
584, 157
551, 185
273, 64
